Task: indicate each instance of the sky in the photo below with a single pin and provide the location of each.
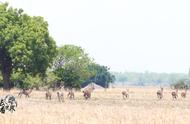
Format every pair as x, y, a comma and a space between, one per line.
125, 35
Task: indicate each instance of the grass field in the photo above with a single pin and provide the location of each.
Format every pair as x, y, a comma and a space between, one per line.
105, 107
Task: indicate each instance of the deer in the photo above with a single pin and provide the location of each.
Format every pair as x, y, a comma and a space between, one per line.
71, 95
60, 96
48, 95
25, 92
175, 94
183, 94
87, 92
125, 94
160, 93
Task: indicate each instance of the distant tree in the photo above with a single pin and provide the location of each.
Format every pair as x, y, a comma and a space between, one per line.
25, 44
71, 66
101, 76
181, 84
141, 81
148, 78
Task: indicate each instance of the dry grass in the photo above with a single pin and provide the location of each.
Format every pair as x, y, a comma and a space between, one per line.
105, 107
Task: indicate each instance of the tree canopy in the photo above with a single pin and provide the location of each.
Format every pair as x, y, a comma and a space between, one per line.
71, 66
101, 76
148, 78
25, 44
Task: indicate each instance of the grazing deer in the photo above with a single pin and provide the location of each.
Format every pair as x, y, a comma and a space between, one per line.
125, 94
71, 95
60, 96
87, 92
160, 93
25, 92
48, 95
175, 94
183, 94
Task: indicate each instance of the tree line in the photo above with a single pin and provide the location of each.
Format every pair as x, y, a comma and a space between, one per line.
29, 56
149, 78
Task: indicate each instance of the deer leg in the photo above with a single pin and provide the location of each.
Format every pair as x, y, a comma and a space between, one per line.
73, 96
26, 95
68, 95
20, 95
61, 99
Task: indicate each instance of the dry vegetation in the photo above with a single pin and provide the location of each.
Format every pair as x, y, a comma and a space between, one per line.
105, 107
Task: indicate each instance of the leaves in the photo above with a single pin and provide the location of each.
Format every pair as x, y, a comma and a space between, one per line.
101, 75
26, 41
71, 66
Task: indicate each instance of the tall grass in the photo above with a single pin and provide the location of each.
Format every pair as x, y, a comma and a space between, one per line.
105, 107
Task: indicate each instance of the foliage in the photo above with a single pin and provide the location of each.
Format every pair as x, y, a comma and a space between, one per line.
26, 81
101, 76
51, 80
71, 66
147, 78
32, 82
18, 79
25, 44
181, 84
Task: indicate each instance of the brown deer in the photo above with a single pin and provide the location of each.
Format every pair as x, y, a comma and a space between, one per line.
60, 96
71, 95
175, 94
183, 94
87, 92
125, 94
160, 93
25, 92
48, 95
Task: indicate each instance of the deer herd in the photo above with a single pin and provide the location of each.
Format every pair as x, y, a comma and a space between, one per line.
88, 91
174, 94
9, 103
60, 95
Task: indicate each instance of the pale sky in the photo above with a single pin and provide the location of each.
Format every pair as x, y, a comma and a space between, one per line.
126, 35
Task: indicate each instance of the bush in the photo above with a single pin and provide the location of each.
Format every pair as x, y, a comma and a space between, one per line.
181, 84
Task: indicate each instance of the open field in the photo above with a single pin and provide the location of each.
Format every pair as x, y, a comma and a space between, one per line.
105, 107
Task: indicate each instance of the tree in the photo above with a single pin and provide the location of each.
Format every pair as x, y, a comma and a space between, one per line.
181, 84
25, 44
101, 76
71, 66
50, 80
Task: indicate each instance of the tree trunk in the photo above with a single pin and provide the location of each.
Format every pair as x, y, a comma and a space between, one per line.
6, 68
6, 80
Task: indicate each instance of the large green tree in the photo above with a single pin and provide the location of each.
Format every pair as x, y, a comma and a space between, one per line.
25, 44
71, 66
101, 76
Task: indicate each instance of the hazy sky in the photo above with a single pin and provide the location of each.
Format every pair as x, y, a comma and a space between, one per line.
126, 35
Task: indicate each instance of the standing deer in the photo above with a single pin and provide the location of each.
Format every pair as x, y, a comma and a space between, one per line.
125, 94
175, 94
160, 93
183, 94
48, 95
87, 92
60, 96
71, 95
25, 92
